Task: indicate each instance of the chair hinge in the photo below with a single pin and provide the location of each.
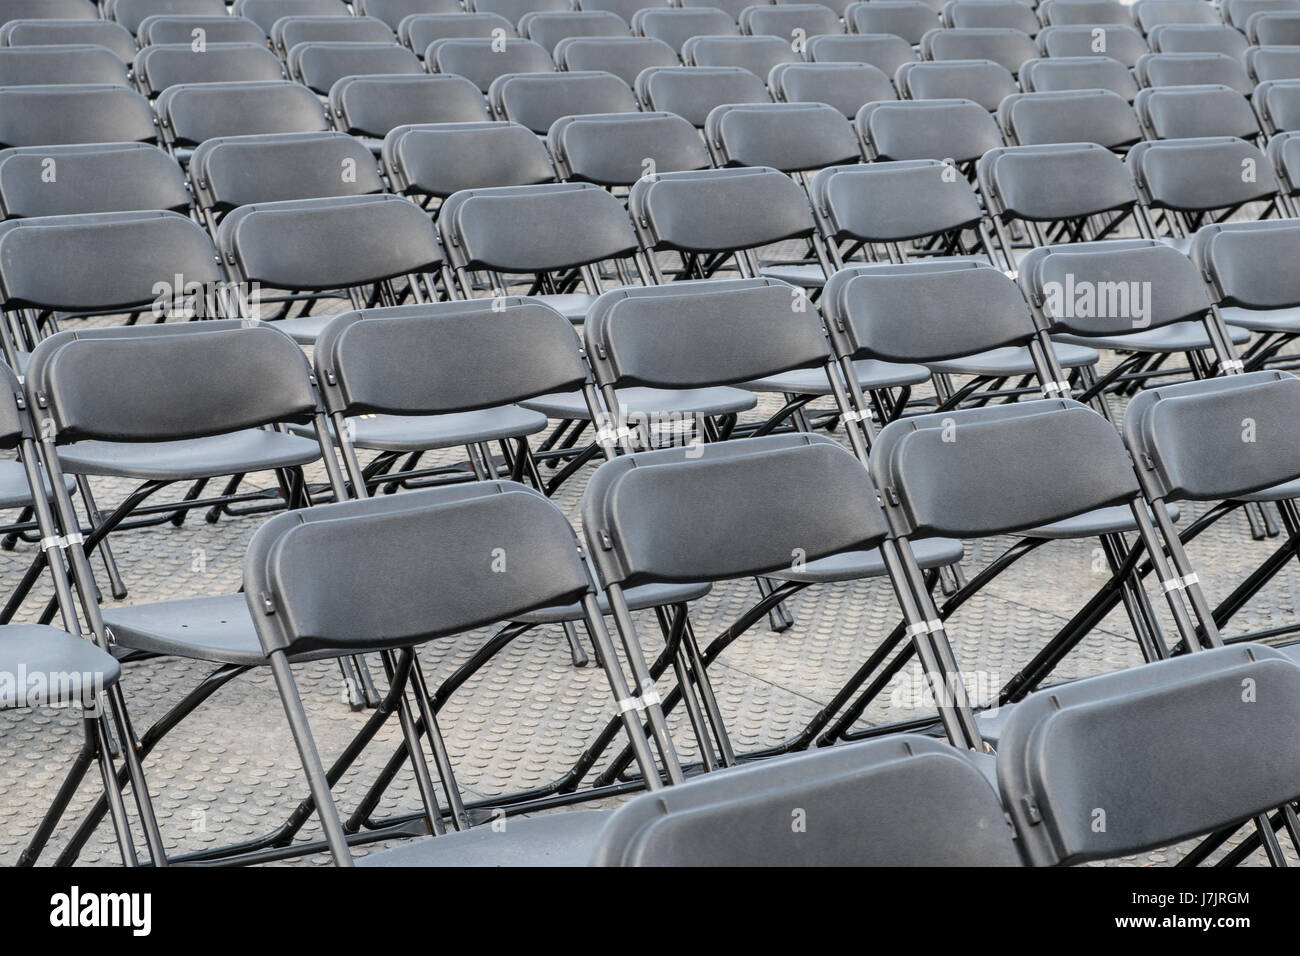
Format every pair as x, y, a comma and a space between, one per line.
892, 496
268, 603
606, 542
1031, 810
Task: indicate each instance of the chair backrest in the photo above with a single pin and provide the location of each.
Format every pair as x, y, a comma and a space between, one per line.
1195, 175
613, 150
440, 159
482, 60
790, 21
1152, 13
1197, 38
958, 129
1238, 12
791, 137
676, 25
905, 801
533, 229
446, 357
661, 516
884, 51
66, 114
549, 27
328, 243
420, 31
758, 54
193, 380
131, 13
1274, 29
105, 33
692, 91
80, 63
847, 87
50, 9
515, 10
1182, 112
1078, 116
985, 82
393, 12
198, 28
1247, 264
1121, 43
1055, 13
102, 261
732, 8
1272, 63
110, 177
537, 100
239, 170
1124, 750
1192, 69
978, 472
1024, 182
1064, 73
320, 65
909, 19
698, 334
376, 105
188, 114
624, 8
162, 65
265, 12
366, 574
1002, 45
893, 202
1278, 104
625, 57
288, 32
1008, 14
719, 210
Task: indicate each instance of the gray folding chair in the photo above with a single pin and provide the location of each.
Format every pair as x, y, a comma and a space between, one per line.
1273, 29
1118, 42
676, 25
1062, 73
884, 51
758, 54
370, 107
132, 13
625, 57
1265, 63
845, 86
537, 100
908, 19
288, 32
1152, 13
550, 27
483, 60
80, 63
791, 137
958, 131
1055, 13
692, 91
1076, 116
619, 148
1277, 102
319, 65
162, 65
66, 180
985, 82
105, 33
1192, 69
191, 28
430, 162
1187, 112
265, 12
393, 12
1006, 47
189, 114
796, 23
420, 31
1197, 38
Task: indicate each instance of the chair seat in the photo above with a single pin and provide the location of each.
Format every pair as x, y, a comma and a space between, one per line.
1175, 337
305, 329
241, 452
60, 669
556, 839
638, 599
853, 565
871, 374
1283, 492
805, 276
1263, 320
650, 402
14, 490
418, 432
573, 305
1014, 360
1114, 520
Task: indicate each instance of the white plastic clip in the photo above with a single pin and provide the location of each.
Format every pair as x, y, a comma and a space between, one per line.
1234, 365
853, 415
1057, 388
626, 704
73, 539
52, 543
650, 698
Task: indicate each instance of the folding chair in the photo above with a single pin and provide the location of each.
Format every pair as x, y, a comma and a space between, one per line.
65, 63
1184, 112
1088, 116
1265, 63
1197, 38
985, 82
557, 236
908, 19
393, 12
1107, 766
791, 137
957, 131
1283, 155
420, 31
1192, 69
613, 150
1004, 14
1009, 48
265, 12
66, 180
51, 9
370, 107
1237, 13
483, 60
624, 8
675, 25
161, 28
105, 33
318, 66
1152, 13
161, 65
1060, 13
515, 10
625, 57
1277, 102
758, 54
732, 8
693, 91
1273, 29
884, 51
537, 100
132, 13
430, 162
1121, 43
73, 113
846, 87
791, 21
189, 114
288, 32
551, 26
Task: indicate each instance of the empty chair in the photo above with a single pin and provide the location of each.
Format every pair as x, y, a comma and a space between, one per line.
421, 30
909, 19
1009, 14
537, 100
1274, 29
188, 114
62, 63
1153, 13
790, 21
732, 8
516, 10
1078, 116
985, 82
1007, 47
1180, 112
692, 91
1119, 42
1192, 69
1197, 38
1247, 268
845, 86
954, 130
49, 9
625, 57
1278, 104
73, 113
433, 161
549, 27
318, 66
265, 12
1238, 12
105, 33
481, 61
884, 51
161, 28
624, 8
370, 106
131, 13
1265, 63
69, 180
288, 32
393, 12
791, 137
1062, 73
758, 54
676, 25
1061, 13
619, 149
1284, 155
170, 64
